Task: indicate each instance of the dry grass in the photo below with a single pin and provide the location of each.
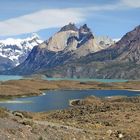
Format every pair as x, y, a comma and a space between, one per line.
3, 113
107, 118
35, 87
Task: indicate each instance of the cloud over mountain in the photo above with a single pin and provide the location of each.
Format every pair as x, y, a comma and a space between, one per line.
131, 3
43, 19
57, 17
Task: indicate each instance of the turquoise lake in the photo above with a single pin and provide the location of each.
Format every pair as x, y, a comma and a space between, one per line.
59, 99
86, 79
15, 77
9, 77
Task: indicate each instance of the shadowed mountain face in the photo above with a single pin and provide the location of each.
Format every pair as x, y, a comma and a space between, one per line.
5, 63
65, 46
126, 50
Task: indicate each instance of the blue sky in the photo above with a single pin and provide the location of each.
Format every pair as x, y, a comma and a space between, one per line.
105, 17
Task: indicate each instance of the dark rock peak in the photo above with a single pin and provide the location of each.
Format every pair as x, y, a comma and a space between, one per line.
84, 28
85, 39
71, 26
68, 27
71, 39
129, 37
85, 32
137, 28
134, 33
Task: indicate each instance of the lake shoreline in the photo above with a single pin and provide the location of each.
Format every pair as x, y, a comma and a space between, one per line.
61, 99
92, 117
35, 87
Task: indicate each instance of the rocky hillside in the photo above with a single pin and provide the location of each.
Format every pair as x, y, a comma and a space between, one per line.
5, 63
121, 60
67, 45
76, 53
91, 119
16, 50
125, 50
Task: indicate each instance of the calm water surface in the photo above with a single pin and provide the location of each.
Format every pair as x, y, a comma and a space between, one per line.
14, 77
59, 99
87, 79
9, 77
53, 100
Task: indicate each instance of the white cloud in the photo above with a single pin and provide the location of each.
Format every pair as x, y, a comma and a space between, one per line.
107, 7
44, 19
53, 18
40, 20
131, 3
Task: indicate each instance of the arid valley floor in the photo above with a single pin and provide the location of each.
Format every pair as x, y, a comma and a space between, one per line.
91, 118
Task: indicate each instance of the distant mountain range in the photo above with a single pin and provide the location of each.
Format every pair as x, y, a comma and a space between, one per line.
67, 45
15, 51
120, 61
77, 53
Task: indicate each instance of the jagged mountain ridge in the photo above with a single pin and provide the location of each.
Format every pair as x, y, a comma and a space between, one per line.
119, 61
17, 50
125, 50
65, 46
70, 38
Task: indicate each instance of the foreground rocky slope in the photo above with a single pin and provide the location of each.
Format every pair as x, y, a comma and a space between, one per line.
21, 126
88, 119
91, 119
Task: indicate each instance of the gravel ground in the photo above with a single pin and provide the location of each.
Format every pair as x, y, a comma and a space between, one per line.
90, 119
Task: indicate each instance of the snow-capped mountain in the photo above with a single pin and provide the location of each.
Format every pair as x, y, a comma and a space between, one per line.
17, 50
67, 45
116, 39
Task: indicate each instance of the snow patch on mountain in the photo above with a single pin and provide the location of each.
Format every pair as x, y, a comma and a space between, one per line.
116, 39
17, 50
